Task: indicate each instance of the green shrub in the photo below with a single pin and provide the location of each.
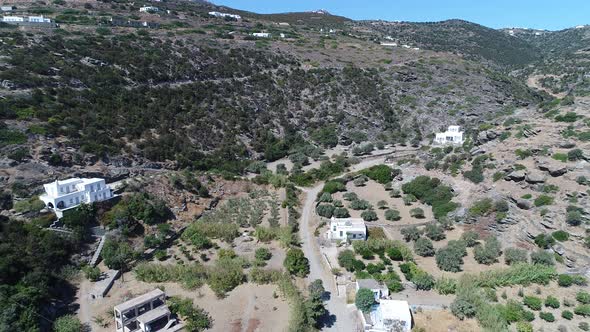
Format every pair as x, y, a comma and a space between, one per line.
582, 310
481, 207
543, 200
584, 326
561, 235
432, 192
369, 215
346, 259
364, 299
423, 281
542, 257
262, 254
381, 173
547, 316
567, 314
575, 154
470, 238
524, 327
360, 204
333, 187
560, 156
68, 323
325, 210
423, 247
534, 303
395, 254
392, 215
296, 263
411, 233
544, 241
552, 302
489, 252
583, 297
434, 232
417, 213
445, 286
515, 255
449, 259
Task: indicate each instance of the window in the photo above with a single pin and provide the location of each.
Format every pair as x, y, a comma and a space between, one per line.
71, 201
97, 187
144, 308
91, 187
157, 302
341, 234
77, 200
334, 229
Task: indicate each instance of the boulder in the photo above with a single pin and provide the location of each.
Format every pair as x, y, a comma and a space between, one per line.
553, 169
524, 204
567, 145
516, 176
486, 136
535, 177
558, 249
477, 151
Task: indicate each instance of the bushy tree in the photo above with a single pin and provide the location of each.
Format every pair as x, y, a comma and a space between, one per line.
417, 213
369, 215
423, 247
364, 299
117, 254
448, 259
470, 238
262, 254
296, 263
325, 210
515, 255
360, 204
542, 257
392, 215
489, 252
411, 233
346, 259
434, 232
340, 212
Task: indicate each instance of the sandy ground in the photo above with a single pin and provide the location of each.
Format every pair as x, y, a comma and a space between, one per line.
443, 321
247, 308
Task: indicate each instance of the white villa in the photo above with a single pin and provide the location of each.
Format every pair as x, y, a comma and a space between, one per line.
261, 34
453, 135
218, 14
347, 228
67, 194
145, 313
148, 9
30, 19
379, 290
388, 315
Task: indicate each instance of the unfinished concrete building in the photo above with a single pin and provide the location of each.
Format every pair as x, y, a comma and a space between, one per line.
145, 313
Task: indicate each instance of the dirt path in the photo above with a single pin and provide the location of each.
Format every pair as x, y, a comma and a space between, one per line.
533, 82
84, 312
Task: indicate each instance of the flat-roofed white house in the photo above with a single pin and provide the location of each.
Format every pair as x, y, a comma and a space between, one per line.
145, 313
453, 135
347, 229
148, 9
261, 34
39, 19
12, 19
67, 194
379, 290
219, 14
387, 316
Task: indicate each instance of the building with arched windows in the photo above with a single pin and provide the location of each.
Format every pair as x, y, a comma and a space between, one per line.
67, 194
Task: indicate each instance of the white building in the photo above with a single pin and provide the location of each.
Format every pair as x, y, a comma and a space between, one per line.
39, 19
347, 228
261, 34
67, 194
218, 14
453, 135
6, 8
13, 19
145, 313
379, 290
148, 9
387, 316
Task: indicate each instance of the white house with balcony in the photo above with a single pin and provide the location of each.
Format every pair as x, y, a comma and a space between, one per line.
39, 19
261, 34
11, 19
146, 313
347, 229
453, 136
149, 9
67, 194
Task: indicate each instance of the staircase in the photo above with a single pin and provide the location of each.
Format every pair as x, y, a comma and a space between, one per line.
96, 255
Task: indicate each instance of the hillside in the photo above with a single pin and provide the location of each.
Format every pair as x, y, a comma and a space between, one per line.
192, 94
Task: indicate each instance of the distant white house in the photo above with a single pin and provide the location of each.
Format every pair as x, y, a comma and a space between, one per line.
261, 34
6, 8
347, 228
387, 316
219, 14
39, 19
67, 194
453, 135
379, 290
389, 44
149, 9
13, 19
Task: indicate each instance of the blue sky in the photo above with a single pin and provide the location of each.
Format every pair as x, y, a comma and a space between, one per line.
539, 14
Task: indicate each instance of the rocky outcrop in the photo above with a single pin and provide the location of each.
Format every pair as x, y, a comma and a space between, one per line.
553, 169
515, 176
486, 136
535, 177
524, 204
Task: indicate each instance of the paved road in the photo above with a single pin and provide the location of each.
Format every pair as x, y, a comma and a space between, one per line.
346, 318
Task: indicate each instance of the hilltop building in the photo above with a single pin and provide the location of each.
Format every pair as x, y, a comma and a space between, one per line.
347, 229
453, 136
261, 34
67, 194
149, 9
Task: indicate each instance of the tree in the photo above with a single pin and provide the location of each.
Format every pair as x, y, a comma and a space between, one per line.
68, 323
515, 255
470, 238
449, 258
392, 215
364, 299
489, 252
346, 259
360, 204
434, 232
296, 263
423, 247
417, 213
117, 254
325, 210
262, 254
92, 273
542, 257
369, 215
341, 212
411, 233
325, 197
382, 204
314, 304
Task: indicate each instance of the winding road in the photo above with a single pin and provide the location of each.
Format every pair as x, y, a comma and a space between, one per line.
344, 316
